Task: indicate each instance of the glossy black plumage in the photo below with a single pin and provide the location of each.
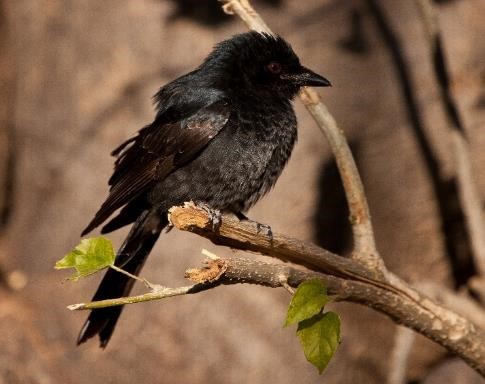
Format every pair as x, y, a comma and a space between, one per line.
222, 135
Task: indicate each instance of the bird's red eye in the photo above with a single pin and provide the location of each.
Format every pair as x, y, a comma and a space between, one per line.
274, 68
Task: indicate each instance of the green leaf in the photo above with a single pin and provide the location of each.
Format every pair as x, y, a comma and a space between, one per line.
89, 256
320, 337
308, 300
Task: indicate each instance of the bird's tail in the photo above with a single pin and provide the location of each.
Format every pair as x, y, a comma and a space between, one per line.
131, 257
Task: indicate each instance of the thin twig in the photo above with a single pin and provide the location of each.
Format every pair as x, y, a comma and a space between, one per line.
364, 242
288, 287
147, 284
127, 273
216, 271
157, 294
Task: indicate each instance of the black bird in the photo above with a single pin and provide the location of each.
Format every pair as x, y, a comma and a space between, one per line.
222, 135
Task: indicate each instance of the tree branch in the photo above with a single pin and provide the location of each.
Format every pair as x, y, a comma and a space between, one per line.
345, 278
445, 327
365, 250
246, 235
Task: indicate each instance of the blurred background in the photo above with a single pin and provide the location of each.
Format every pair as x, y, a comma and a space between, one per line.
76, 78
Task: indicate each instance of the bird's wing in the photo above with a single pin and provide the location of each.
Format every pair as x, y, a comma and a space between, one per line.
155, 152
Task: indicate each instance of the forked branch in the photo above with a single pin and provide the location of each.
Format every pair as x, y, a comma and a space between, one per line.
364, 242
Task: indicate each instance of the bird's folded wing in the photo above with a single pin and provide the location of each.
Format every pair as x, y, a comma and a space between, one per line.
155, 152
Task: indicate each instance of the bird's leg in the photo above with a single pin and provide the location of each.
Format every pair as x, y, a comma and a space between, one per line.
241, 216
214, 215
265, 228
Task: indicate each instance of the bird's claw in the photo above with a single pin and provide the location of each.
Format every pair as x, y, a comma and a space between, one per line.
266, 230
215, 216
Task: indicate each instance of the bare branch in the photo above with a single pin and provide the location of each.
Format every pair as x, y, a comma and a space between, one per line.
243, 9
216, 271
392, 297
443, 326
156, 294
246, 235
457, 302
365, 248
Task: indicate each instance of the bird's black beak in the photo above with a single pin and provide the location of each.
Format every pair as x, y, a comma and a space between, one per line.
306, 77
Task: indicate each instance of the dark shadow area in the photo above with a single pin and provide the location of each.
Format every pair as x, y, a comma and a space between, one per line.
443, 80
356, 41
7, 203
208, 12
453, 226
4, 279
7, 132
443, 1
480, 102
331, 221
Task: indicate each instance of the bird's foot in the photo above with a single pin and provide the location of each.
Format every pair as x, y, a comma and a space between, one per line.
261, 228
215, 216
266, 230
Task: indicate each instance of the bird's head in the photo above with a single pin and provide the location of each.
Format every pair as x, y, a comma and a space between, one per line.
263, 64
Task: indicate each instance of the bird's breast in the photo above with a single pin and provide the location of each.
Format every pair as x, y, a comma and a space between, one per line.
240, 164
262, 143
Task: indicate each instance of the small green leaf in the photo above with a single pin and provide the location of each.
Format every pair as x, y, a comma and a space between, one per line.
308, 300
320, 337
89, 256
